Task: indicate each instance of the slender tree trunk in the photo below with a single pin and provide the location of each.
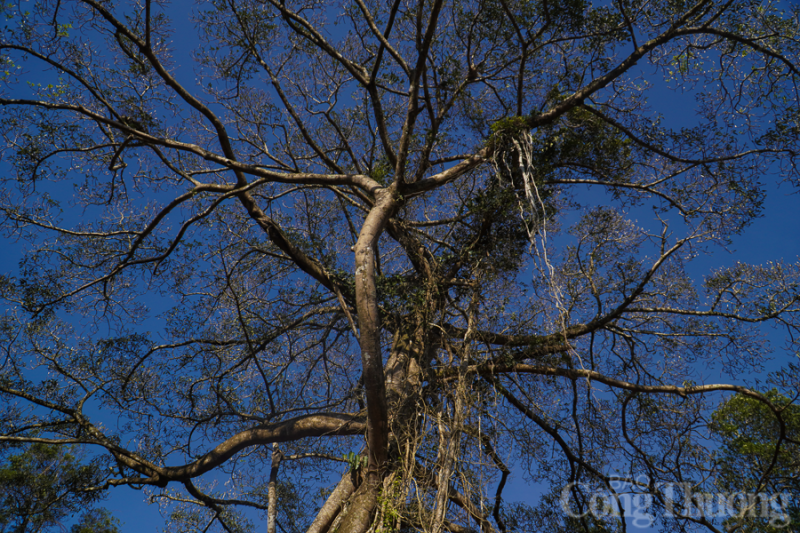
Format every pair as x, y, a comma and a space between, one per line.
272, 495
449, 443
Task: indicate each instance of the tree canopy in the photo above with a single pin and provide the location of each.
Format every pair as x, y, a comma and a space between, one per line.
42, 485
760, 453
345, 267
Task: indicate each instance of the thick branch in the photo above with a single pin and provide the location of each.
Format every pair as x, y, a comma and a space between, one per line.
316, 425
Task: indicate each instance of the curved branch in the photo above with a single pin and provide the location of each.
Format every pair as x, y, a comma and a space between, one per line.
313, 425
308, 178
591, 375
655, 149
747, 42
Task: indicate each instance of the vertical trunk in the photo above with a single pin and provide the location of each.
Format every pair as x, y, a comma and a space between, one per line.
402, 369
272, 495
363, 503
361, 508
371, 356
449, 443
369, 334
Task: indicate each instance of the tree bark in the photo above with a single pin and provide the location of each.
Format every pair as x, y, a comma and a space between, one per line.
272, 494
369, 335
363, 503
333, 505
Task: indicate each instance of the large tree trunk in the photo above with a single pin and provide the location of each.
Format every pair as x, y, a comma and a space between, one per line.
362, 506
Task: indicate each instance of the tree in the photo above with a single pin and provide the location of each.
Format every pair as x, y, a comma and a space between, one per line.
41, 486
388, 250
96, 521
761, 454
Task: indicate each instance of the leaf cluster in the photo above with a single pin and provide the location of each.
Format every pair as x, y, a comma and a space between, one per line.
44, 484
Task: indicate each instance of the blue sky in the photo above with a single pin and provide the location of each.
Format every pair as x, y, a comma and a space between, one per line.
773, 237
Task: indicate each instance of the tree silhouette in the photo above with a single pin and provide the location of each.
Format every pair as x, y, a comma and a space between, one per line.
42, 486
345, 268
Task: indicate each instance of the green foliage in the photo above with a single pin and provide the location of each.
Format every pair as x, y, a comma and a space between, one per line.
400, 292
494, 233
509, 127
355, 461
96, 521
382, 171
753, 458
583, 142
390, 514
43, 485
566, 15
